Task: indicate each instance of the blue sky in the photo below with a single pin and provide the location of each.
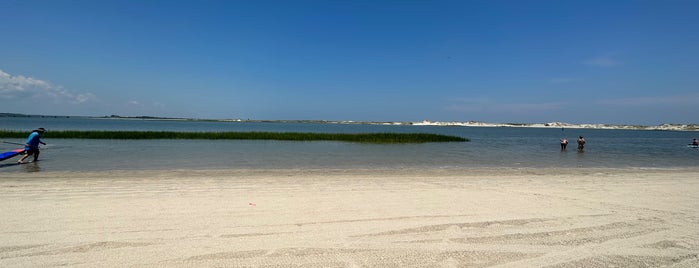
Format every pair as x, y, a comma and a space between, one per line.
621, 62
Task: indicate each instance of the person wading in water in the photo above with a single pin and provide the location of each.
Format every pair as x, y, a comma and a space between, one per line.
31, 147
581, 143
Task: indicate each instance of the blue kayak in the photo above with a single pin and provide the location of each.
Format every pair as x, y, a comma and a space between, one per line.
11, 154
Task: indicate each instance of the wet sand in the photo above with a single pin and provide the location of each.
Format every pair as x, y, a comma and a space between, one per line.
351, 218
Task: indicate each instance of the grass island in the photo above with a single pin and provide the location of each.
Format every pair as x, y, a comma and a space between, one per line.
379, 138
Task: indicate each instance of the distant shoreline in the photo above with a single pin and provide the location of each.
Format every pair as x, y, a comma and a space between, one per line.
562, 125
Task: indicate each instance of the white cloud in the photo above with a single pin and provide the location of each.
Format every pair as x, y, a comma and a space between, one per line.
21, 87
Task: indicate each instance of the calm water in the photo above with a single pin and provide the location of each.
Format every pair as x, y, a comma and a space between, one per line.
489, 147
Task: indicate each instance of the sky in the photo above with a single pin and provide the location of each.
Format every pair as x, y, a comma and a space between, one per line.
616, 62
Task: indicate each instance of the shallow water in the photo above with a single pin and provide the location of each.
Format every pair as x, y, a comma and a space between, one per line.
489, 147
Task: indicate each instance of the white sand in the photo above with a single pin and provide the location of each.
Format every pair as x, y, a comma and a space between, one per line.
355, 218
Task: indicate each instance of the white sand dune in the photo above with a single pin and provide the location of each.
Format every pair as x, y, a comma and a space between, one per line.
351, 218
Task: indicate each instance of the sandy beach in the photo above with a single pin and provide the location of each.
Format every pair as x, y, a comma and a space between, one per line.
351, 218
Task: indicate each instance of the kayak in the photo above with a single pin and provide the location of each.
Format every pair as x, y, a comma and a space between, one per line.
11, 154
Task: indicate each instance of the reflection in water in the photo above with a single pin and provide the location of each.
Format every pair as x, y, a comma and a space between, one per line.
581, 159
31, 166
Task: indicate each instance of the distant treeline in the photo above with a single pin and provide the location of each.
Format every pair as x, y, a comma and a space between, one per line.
286, 136
30, 115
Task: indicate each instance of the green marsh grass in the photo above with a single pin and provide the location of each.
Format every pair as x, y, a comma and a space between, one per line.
286, 136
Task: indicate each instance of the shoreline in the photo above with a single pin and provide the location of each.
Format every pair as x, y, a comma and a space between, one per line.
390, 172
690, 127
510, 217
662, 127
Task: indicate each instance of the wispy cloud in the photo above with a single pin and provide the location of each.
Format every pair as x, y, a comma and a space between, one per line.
562, 80
21, 87
139, 108
134, 103
649, 101
140, 104
529, 107
466, 104
603, 61
471, 105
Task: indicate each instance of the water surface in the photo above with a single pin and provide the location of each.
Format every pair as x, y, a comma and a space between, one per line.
490, 147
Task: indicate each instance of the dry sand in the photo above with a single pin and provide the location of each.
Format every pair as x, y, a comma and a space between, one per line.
351, 218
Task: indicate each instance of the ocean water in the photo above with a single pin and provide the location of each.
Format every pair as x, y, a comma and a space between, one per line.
490, 147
